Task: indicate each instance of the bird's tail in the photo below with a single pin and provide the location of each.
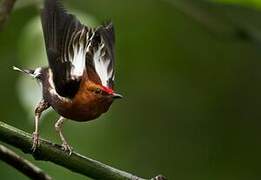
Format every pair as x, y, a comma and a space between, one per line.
26, 71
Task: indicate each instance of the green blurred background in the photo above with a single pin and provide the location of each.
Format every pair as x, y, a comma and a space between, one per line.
190, 74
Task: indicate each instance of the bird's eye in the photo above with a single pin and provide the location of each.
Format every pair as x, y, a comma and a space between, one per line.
97, 90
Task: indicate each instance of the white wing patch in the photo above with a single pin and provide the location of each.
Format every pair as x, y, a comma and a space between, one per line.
78, 61
101, 65
79, 53
81, 44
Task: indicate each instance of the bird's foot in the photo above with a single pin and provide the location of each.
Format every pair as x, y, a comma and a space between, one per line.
67, 148
159, 177
36, 141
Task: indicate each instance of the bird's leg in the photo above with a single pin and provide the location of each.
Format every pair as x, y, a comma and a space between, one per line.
58, 127
43, 105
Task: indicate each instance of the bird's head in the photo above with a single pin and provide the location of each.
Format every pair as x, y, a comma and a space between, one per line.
101, 91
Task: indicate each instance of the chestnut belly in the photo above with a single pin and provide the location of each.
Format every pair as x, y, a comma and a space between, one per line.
78, 114
81, 111
83, 107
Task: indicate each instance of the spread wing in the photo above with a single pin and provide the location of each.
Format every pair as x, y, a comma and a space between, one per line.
65, 41
73, 48
102, 54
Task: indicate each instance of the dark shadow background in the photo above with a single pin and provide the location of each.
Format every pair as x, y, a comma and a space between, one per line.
192, 95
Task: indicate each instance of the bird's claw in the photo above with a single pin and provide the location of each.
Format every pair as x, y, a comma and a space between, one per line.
36, 141
159, 177
67, 148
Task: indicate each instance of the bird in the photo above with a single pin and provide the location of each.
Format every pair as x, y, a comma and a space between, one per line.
79, 81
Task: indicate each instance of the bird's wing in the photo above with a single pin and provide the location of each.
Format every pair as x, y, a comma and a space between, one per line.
101, 54
67, 42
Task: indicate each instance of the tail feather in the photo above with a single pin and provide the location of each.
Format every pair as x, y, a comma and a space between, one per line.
26, 71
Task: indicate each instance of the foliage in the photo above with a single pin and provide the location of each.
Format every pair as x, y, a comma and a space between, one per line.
190, 74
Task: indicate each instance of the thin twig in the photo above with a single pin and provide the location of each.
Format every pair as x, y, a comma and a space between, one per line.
22, 165
52, 152
5, 10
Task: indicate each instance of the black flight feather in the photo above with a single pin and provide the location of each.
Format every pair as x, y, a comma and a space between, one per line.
106, 32
58, 27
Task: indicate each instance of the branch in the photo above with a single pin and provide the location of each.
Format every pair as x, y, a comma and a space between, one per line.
52, 152
215, 18
5, 9
22, 165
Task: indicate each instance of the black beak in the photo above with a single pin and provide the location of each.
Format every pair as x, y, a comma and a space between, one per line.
117, 96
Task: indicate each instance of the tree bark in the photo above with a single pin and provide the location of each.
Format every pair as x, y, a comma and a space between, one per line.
22, 165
